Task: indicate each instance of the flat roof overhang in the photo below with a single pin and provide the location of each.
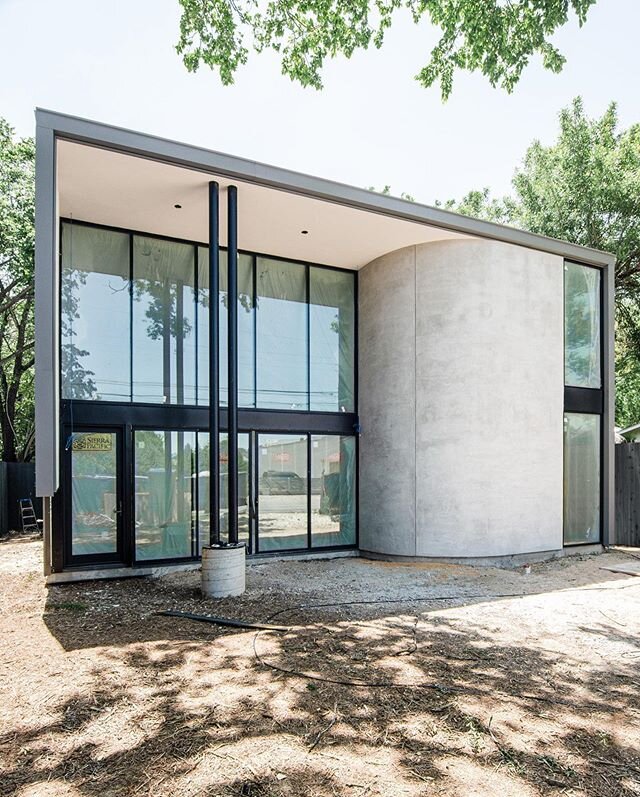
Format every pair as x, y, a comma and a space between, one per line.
118, 177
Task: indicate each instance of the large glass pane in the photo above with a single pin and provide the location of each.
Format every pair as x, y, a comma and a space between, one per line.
581, 478
581, 326
95, 323
94, 494
282, 335
332, 339
333, 491
204, 474
246, 319
164, 494
282, 492
164, 356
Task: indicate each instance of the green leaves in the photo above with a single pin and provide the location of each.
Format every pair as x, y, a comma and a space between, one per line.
17, 210
494, 37
210, 33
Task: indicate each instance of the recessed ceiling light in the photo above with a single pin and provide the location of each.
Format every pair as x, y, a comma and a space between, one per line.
304, 232
177, 206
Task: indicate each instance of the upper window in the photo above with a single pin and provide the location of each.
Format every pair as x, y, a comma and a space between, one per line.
135, 325
246, 321
164, 322
582, 366
95, 351
282, 373
332, 340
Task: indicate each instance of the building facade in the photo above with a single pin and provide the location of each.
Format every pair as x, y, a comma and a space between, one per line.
410, 382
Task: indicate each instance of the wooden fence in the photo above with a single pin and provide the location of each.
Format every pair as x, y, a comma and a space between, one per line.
17, 480
627, 494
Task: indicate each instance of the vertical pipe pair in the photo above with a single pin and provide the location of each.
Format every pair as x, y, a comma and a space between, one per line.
214, 362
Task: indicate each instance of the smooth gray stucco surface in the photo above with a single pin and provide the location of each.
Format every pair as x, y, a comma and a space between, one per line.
469, 416
386, 398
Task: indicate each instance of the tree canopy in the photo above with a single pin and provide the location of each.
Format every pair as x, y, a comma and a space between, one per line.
585, 188
493, 37
17, 207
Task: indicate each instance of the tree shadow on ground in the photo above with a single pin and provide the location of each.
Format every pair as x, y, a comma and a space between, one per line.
376, 700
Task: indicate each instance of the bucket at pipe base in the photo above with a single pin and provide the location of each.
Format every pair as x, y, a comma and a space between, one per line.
223, 570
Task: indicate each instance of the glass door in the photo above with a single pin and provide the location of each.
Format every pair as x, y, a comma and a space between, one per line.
94, 502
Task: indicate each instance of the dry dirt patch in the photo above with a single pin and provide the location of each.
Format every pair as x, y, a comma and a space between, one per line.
459, 681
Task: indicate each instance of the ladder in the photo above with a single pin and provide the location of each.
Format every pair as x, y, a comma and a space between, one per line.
28, 515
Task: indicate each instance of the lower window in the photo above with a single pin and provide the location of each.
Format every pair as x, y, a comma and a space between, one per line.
204, 481
306, 491
304, 487
165, 490
581, 478
283, 520
333, 494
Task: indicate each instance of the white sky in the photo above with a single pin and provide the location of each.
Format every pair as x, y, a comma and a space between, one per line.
372, 125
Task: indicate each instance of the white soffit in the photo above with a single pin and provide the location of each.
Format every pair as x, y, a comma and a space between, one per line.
120, 190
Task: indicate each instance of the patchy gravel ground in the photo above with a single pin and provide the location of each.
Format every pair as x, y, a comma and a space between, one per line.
471, 682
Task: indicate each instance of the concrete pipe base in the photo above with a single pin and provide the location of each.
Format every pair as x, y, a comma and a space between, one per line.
223, 570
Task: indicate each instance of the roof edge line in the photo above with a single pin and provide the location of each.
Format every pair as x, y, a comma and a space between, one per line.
154, 147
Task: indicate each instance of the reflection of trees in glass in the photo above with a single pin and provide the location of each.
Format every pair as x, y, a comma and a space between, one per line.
165, 489
164, 299
582, 326
164, 287
76, 378
203, 455
149, 451
94, 463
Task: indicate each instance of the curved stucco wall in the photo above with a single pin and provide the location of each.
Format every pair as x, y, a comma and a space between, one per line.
461, 401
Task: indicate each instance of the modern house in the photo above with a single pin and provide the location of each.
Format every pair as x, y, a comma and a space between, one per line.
387, 378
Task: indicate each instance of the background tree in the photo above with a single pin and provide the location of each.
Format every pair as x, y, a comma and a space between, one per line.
493, 37
585, 188
17, 165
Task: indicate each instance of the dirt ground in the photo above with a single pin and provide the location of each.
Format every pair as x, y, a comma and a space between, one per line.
471, 682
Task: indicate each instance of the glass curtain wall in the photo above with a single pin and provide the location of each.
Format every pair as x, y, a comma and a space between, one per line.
135, 326
582, 430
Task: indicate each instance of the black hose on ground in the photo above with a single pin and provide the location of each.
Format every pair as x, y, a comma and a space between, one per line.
205, 618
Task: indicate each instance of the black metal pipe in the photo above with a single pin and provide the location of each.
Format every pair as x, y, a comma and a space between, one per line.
214, 364
232, 338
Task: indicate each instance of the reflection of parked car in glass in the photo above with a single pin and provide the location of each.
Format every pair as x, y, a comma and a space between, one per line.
281, 482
